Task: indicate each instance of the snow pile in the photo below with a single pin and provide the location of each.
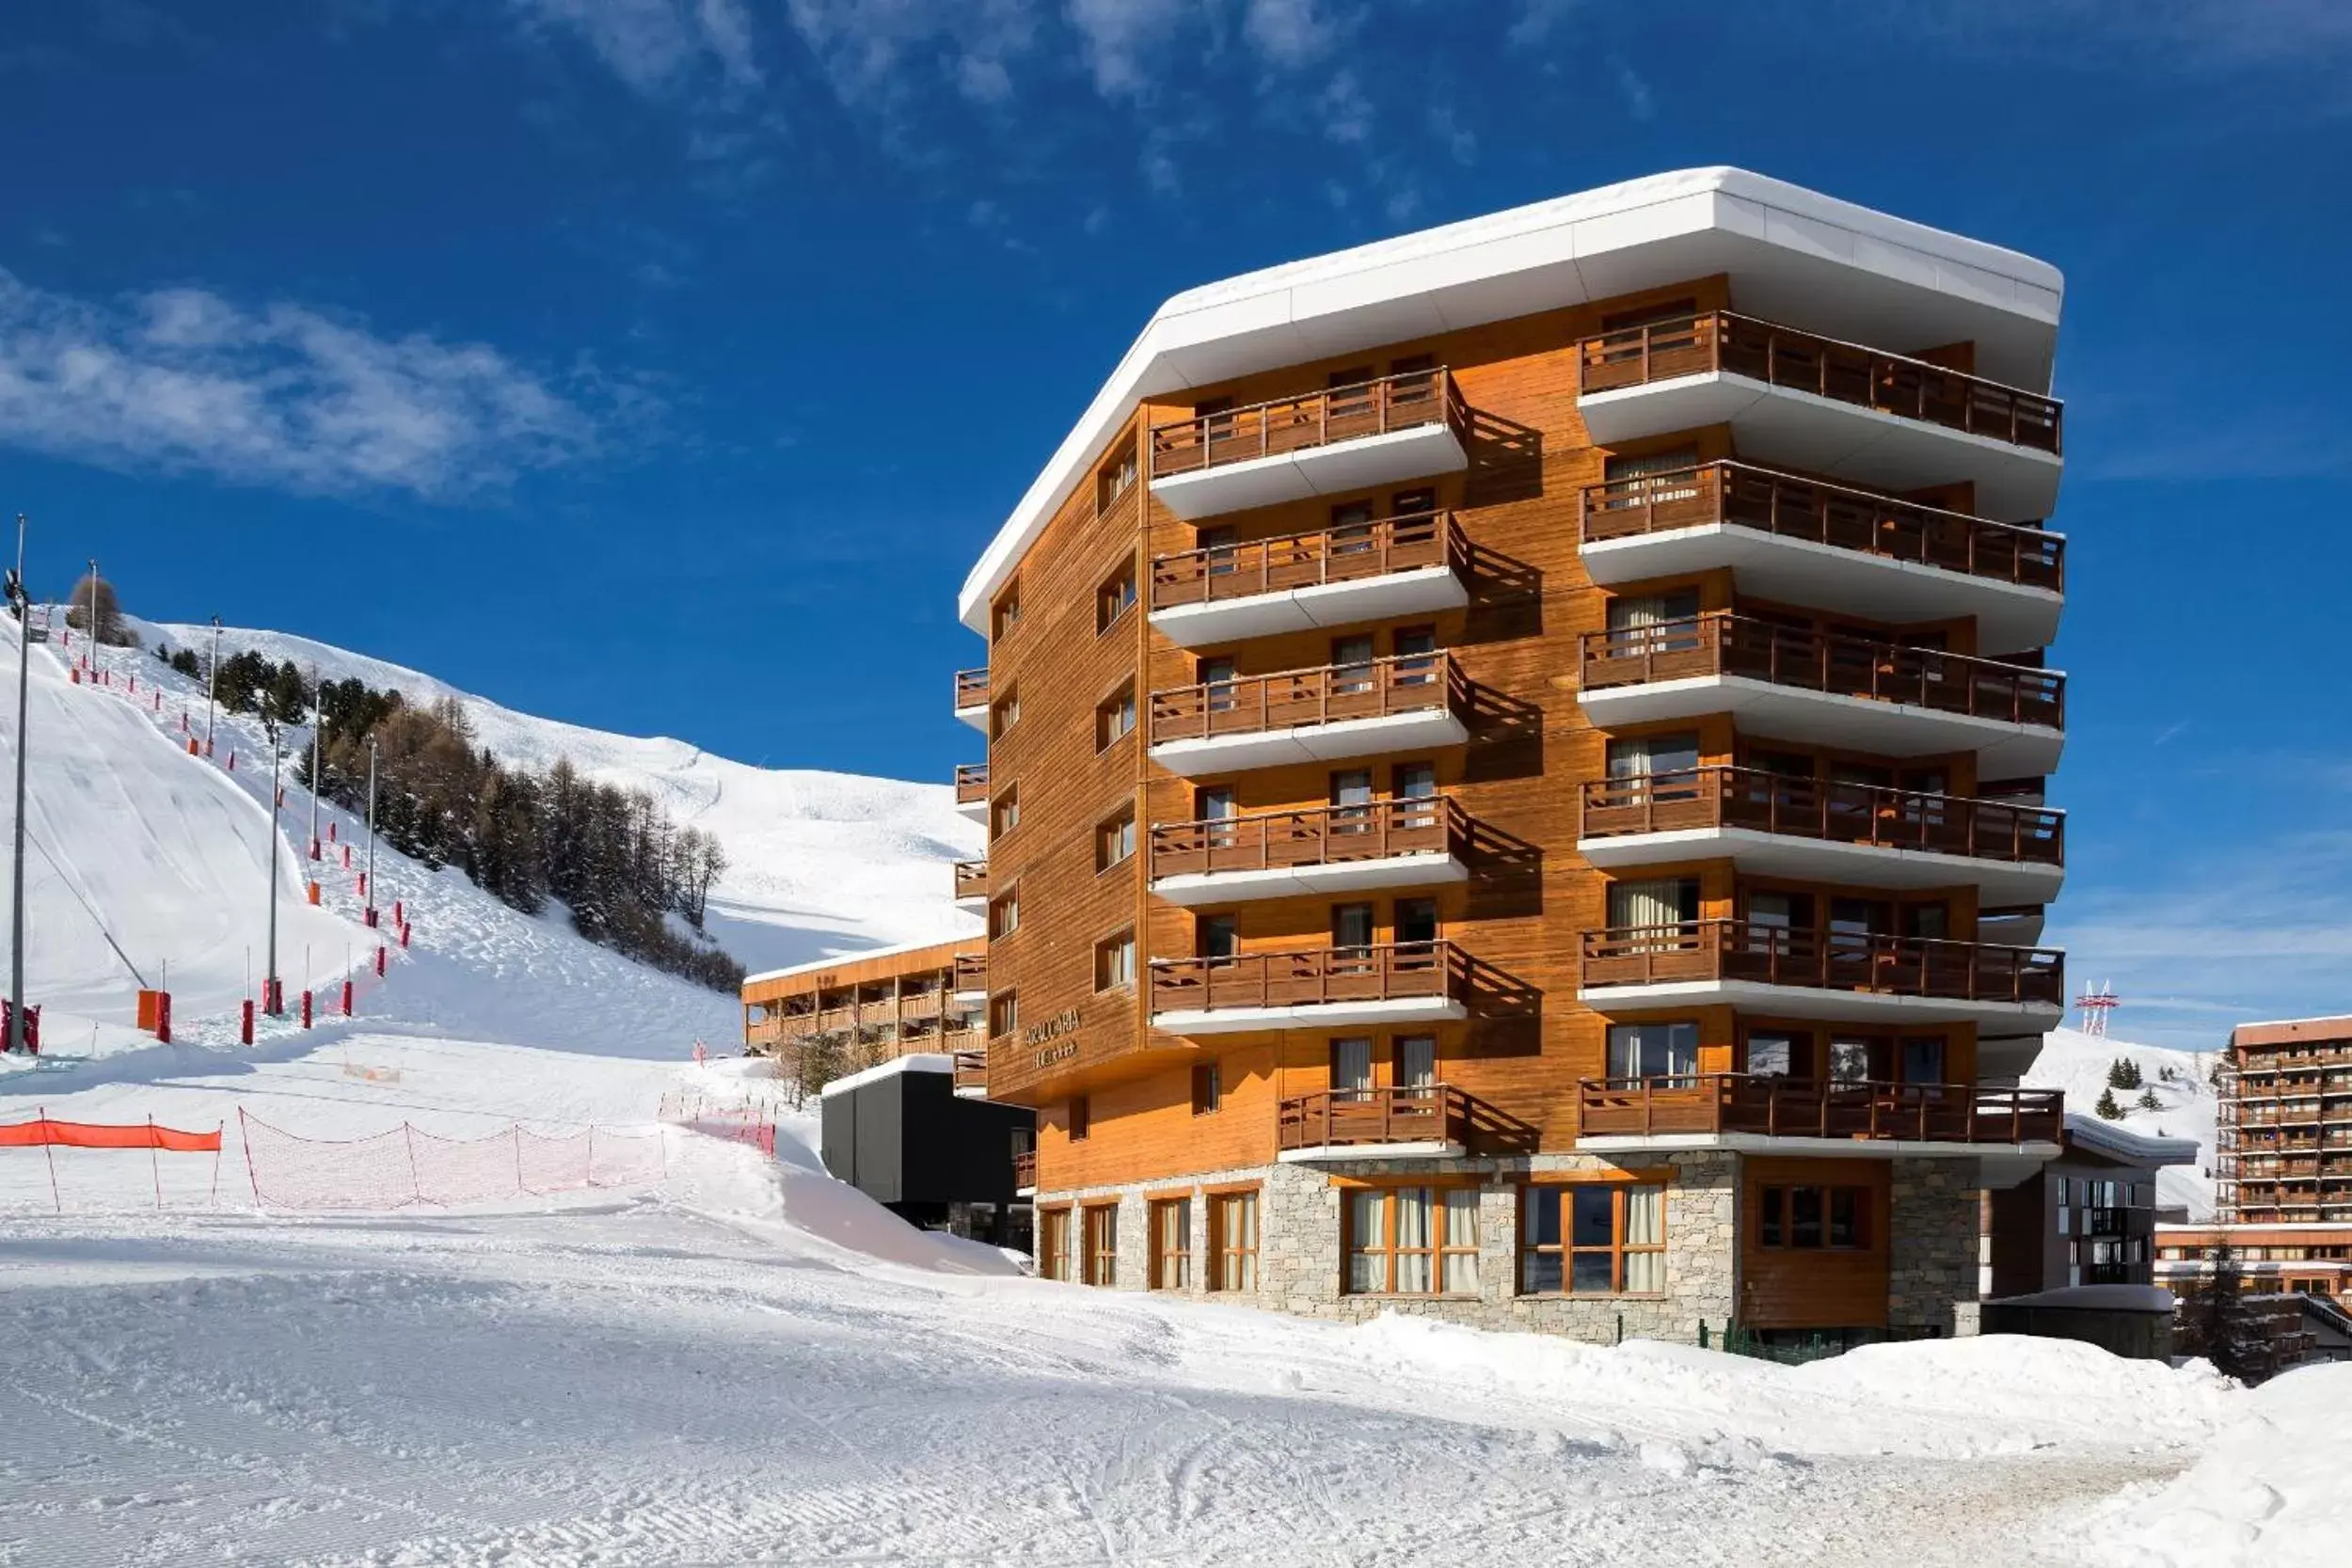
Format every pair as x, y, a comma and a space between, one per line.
2188, 1107
2275, 1488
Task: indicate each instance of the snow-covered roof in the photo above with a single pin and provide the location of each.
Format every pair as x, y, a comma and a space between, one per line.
2096, 1298
2140, 1149
859, 956
920, 1061
1847, 270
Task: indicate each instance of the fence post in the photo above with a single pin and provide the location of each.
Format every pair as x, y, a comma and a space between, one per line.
154, 1163
49, 1152
518, 1159
245, 1137
408, 1137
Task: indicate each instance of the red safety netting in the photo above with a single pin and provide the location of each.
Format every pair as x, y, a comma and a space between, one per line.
49, 1131
409, 1165
740, 1121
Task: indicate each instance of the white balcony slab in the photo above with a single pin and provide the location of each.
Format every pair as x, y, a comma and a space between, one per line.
1822, 859
970, 998
1804, 431
1349, 737
1821, 1004
1297, 881
1339, 468
1424, 591
975, 716
976, 810
2005, 749
2011, 617
971, 1091
1399, 1011
976, 902
1432, 1148
2006, 1058
2002, 1166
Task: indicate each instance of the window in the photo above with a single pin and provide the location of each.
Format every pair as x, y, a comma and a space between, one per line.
1352, 668
1116, 478
1217, 678
1646, 480
1772, 1054
1412, 504
1213, 938
1115, 840
1849, 1061
1116, 718
1663, 767
1234, 1242
1412, 1240
1352, 786
1003, 812
1081, 1118
1053, 1245
1811, 1218
1351, 1066
1171, 1244
1658, 905
1413, 642
1208, 1092
1660, 1051
1416, 921
1115, 597
1594, 1237
1351, 927
1416, 1063
1004, 714
1923, 1059
1007, 614
1004, 913
1004, 1013
1115, 961
1102, 1242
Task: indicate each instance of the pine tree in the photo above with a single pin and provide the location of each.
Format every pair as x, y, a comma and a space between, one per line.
2107, 1107
2216, 1322
2148, 1101
2124, 1074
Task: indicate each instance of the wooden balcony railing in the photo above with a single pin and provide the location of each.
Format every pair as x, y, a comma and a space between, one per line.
1819, 513
1718, 1103
1024, 1168
1376, 407
1309, 977
1815, 808
971, 878
1720, 644
971, 1070
971, 972
971, 689
1319, 835
1249, 705
971, 782
1835, 961
1432, 1113
1847, 373
1349, 553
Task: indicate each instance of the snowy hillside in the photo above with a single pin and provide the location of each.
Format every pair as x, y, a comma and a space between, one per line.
819, 863
2078, 1063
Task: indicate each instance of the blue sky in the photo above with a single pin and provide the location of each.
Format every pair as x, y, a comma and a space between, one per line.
662, 365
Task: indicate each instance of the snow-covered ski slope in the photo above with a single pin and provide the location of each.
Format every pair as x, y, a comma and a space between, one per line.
819, 863
2188, 1108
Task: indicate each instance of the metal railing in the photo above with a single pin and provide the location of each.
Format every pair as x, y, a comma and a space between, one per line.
1772, 955
1846, 373
1316, 836
1247, 705
1374, 408
1716, 1103
1309, 977
1346, 553
1881, 816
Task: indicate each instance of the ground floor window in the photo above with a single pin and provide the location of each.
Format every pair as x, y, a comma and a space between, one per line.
1412, 1240
1811, 1217
1102, 1245
1053, 1245
1234, 1242
1171, 1244
1594, 1237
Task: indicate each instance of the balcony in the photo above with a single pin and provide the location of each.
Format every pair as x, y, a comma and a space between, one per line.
971, 1075
1836, 977
1626, 1112
1829, 690
971, 698
1324, 850
971, 978
1420, 982
972, 884
1338, 576
1327, 443
1798, 541
1415, 702
1811, 829
1024, 1170
1825, 406
972, 790
1433, 1121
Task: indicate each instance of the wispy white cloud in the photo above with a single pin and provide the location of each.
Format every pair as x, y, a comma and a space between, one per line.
1538, 21
1634, 89
281, 395
1120, 40
865, 47
654, 45
1291, 33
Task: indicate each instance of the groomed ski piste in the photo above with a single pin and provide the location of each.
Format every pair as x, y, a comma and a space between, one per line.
736, 1360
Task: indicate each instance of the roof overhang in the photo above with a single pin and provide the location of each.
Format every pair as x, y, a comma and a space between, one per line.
1791, 254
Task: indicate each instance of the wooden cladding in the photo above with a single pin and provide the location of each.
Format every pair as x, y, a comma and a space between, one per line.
971, 878
971, 689
1720, 341
1744, 495
1309, 977
1719, 1102
1841, 664
1883, 818
971, 782
1348, 553
971, 972
1318, 835
1332, 693
971, 1070
1373, 407
1023, 1169
1770, 955
1428, 1113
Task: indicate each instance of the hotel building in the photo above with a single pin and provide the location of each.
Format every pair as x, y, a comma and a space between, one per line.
1515, 774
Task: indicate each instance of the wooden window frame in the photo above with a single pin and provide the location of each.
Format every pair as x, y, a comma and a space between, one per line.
1108, 834
1004, 713
1561, 1192
1004, 615
1078, 1114
1159, 1256
1115, 597
1440, 1247
1053, 1224
1007, 1003
1003, 805
1208, 1088
1102, 949
1099, 1265
1775, 1217
1114, 479
1226, 1261
1004, 913
1106, 713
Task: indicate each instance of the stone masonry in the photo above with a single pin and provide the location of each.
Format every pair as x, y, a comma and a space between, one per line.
1931, 1246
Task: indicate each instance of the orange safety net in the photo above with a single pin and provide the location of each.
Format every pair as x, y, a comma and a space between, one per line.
93, 1134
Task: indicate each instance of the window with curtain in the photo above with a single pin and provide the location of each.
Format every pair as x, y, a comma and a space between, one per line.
1667, 1052
1171, 1244
1415, 1061
1351, 1066
1661, 906
1234, 1242
1657, 476
1102, 1245
1053, 1245
1412, 1240
1654, 622
1667, 765
1594, 1237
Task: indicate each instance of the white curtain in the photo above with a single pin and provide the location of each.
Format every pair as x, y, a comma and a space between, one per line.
1245, 1224
1646, 904
1644, 1225
1413, 1205
1461, 1231
1365, 1230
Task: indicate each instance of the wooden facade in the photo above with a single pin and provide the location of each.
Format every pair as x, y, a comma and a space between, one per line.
858, 1011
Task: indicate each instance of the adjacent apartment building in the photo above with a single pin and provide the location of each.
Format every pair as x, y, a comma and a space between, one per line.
1515, 774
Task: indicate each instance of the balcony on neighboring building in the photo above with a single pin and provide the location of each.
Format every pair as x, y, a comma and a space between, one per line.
1025, 1171
971, 698
1317, 852
1873, 1118
1327, 443
1432, 1121
1836, 976
972, 790
1828, 408
1804, 542
1822, 831
971, 884
1828, 688
971, 1073
1404, 983
971, 980
1341, 576
1410, 702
